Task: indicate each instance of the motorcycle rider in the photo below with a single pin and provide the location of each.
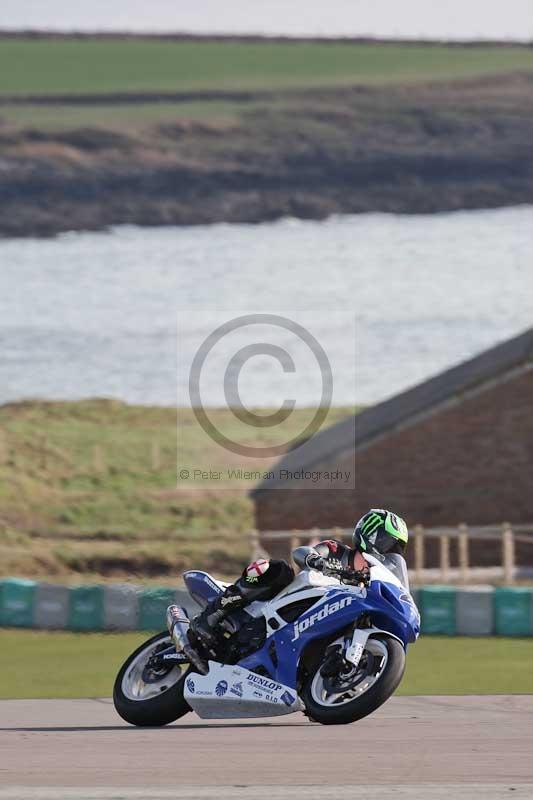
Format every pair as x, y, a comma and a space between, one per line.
379, 532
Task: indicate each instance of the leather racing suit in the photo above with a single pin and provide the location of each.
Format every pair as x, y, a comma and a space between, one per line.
263, 580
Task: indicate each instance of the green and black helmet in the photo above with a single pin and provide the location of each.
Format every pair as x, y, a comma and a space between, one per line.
380, 532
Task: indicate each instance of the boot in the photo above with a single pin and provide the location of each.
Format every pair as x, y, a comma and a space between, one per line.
207, 626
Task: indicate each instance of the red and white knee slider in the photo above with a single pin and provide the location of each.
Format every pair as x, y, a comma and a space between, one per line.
257, 568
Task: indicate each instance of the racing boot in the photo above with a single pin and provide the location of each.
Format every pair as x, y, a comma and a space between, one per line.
209, 625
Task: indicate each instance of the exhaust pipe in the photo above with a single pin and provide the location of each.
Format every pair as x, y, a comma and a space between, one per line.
178, 626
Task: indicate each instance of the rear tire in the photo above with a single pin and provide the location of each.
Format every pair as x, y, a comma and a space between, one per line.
166, 704
347, 711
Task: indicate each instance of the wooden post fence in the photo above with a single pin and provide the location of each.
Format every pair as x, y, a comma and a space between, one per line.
508, 554
500, 540
419, 551
463, 553
444, 558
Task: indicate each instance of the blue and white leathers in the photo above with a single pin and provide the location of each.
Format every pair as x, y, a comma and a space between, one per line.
332, 607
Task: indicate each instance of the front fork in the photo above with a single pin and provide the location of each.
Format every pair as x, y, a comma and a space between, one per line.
357, 643
356, 646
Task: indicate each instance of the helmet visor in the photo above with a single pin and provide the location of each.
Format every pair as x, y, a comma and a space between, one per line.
385, 542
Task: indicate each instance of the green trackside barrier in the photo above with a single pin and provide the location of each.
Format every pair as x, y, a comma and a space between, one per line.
512, 611
440, 608
437, 610
86, 608
17, 598
153, 604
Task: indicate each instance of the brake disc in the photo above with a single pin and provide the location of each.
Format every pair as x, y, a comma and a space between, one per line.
348, 675
155, 668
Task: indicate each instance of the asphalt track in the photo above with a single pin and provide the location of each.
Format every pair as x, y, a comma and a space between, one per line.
430, 748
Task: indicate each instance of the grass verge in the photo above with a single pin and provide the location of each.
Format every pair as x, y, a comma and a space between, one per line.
116, 65
60, 664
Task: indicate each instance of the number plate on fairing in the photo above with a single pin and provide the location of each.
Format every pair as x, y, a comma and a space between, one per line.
233, 692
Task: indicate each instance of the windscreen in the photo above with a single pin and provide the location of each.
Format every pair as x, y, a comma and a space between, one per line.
397, 565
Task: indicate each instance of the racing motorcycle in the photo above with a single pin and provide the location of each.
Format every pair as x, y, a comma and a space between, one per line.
332, 647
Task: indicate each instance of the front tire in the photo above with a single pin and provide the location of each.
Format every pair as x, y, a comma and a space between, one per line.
150, 698
353, 697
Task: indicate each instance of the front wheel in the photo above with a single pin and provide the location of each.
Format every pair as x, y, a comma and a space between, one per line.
352, 694
148, 692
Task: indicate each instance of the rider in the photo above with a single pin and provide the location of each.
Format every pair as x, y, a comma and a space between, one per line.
378, 532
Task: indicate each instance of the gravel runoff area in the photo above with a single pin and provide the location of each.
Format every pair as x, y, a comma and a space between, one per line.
440, 747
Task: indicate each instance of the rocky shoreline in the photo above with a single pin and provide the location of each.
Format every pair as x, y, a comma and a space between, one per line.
307, 154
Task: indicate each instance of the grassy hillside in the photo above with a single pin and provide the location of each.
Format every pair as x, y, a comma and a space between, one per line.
104, 131
91, 488
132, 118
107, 65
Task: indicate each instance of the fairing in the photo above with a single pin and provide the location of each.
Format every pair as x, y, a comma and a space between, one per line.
397, 565
202, 587
386, 601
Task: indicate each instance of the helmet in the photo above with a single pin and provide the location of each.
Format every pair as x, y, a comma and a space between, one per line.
380, 532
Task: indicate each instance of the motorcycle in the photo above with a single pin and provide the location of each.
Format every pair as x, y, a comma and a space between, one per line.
330, 646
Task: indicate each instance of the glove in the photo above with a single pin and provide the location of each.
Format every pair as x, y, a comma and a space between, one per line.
314, 561
355, 577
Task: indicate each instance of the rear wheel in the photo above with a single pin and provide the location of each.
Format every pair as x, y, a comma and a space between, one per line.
354, 692
149, 692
